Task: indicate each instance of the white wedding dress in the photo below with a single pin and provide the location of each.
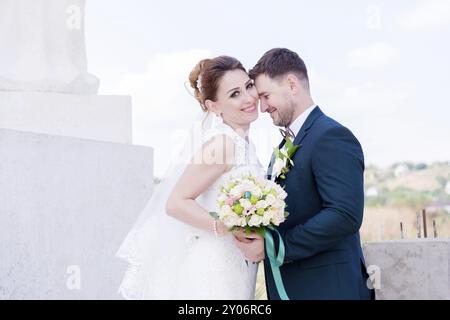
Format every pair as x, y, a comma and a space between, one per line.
172, 260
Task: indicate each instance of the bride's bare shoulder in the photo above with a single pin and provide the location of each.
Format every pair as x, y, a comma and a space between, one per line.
218, 150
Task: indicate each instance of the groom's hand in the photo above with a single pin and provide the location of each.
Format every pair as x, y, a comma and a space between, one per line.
252, 248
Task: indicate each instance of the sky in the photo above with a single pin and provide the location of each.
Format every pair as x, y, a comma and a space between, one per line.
381, 68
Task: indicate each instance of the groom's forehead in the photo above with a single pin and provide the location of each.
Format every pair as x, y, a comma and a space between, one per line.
263, 83
263, 79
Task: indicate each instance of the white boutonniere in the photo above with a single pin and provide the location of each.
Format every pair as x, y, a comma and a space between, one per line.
283, 159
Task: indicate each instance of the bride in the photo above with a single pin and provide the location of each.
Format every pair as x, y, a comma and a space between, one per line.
176, 250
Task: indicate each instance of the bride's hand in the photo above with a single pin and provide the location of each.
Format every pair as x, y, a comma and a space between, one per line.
222, 229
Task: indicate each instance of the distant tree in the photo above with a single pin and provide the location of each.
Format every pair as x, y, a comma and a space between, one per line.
378, 201
420, 166
408, 197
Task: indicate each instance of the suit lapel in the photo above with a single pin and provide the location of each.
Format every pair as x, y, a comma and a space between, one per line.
303, 132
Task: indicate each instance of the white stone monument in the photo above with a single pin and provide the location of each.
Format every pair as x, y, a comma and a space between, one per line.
71, 182
44, 83
42, 47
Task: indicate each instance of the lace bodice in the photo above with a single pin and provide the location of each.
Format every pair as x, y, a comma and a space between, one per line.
245, 162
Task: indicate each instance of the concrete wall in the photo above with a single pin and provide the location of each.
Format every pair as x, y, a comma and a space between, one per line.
103, 118
65, 206
410, 269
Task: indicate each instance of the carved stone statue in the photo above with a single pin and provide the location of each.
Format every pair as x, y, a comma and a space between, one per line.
42, 47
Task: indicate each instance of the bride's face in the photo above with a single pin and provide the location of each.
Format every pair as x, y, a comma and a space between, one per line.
237, 99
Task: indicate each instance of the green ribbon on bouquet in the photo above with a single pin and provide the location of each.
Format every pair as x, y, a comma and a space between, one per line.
276, 262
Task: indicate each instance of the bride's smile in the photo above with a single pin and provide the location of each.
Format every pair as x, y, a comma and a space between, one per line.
249, 109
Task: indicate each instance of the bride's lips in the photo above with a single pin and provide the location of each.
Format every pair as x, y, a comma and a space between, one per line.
249, 109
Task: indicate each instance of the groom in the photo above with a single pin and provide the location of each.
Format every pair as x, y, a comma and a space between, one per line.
323, 257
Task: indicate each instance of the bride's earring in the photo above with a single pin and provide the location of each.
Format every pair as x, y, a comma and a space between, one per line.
219, 118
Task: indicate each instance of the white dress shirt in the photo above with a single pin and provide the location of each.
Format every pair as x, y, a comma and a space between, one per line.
297, 124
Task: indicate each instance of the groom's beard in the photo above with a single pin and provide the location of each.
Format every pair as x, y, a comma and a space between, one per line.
287, 116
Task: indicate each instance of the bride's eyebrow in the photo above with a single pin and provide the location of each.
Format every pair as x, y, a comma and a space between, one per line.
237, 88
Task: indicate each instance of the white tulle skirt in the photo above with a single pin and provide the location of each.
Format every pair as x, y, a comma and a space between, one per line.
169, 259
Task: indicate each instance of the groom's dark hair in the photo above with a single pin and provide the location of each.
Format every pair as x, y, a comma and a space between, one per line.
278, 62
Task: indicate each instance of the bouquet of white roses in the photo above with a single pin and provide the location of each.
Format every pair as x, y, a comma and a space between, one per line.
256, 204
251, 203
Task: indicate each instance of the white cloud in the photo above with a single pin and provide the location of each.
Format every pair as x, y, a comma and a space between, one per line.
373, 21
426, 15
374, 56
160, 89
383, 116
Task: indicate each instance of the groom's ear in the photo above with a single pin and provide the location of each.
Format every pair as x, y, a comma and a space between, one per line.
297, 84
293, 83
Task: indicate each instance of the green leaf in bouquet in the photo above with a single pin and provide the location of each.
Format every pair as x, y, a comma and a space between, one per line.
234, 228
238, 208
286, 214
260, 212
253, 199
231, 186
213, 214
261, 232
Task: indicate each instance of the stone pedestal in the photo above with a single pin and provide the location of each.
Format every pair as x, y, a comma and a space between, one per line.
66, 204
103, 118
410, 269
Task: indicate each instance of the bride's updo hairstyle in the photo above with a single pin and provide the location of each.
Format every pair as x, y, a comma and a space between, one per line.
206, 75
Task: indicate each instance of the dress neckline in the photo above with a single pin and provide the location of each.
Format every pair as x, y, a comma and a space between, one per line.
227, 126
